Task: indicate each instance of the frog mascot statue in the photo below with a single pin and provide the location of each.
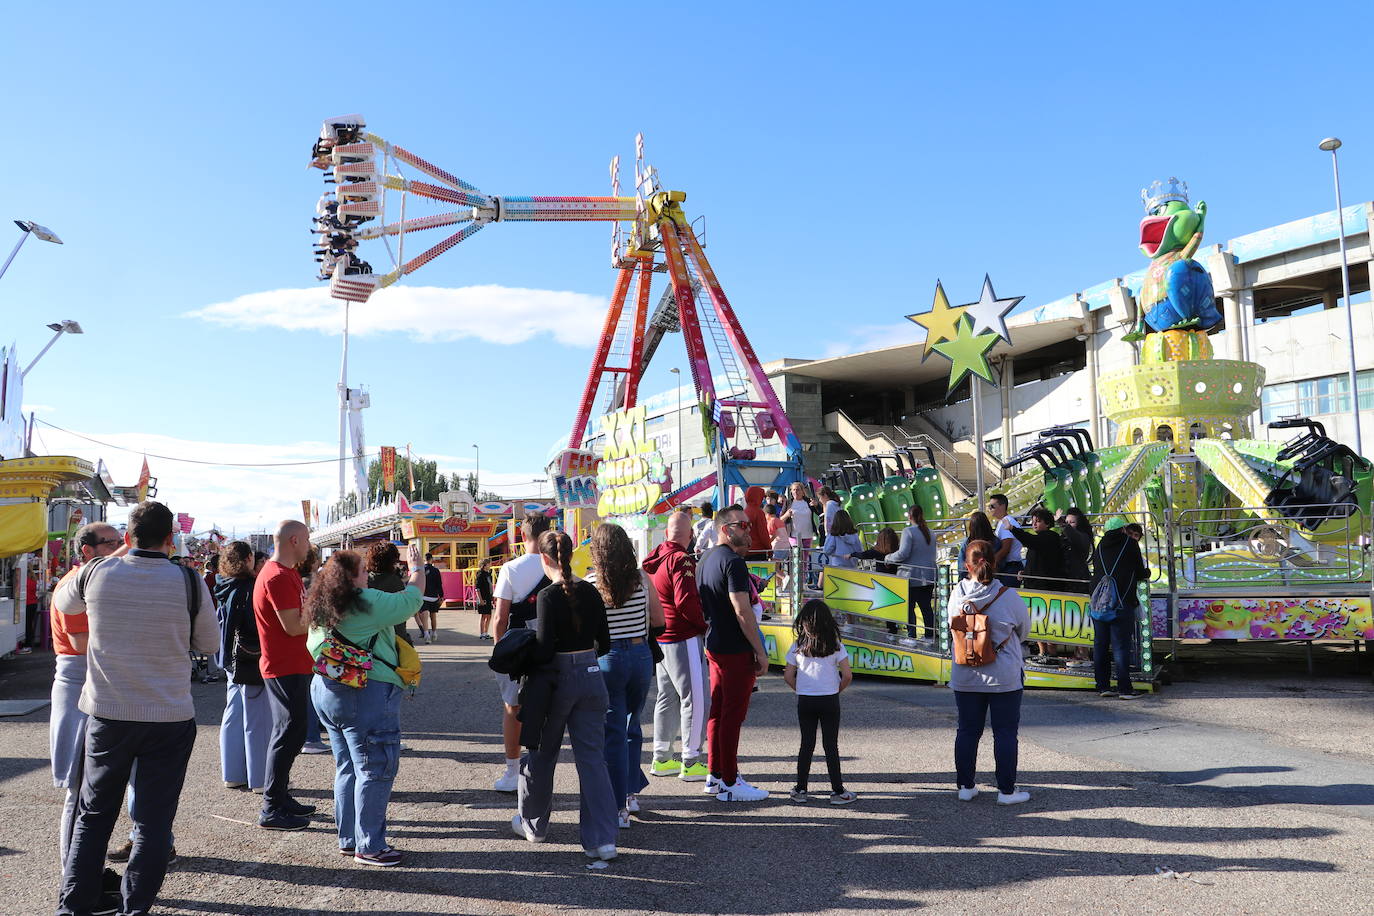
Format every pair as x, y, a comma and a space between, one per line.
1177, 292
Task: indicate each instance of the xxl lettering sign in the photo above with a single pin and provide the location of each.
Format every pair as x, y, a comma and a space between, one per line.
632, 475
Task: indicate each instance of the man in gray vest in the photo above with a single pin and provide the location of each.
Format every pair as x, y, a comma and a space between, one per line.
145, 615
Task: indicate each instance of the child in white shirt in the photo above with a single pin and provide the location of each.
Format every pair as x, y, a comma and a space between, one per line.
818, 670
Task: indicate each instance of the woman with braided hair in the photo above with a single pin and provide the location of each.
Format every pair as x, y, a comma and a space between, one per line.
633, 612
571, 631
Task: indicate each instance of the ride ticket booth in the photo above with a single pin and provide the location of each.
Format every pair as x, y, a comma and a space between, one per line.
457, 542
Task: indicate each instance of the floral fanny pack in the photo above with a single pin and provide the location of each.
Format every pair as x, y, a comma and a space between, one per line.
343, 661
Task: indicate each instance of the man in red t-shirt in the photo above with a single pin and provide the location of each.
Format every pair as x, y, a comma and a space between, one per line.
278, 607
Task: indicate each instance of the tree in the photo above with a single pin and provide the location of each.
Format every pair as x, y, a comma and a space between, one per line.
471, 485
429, 483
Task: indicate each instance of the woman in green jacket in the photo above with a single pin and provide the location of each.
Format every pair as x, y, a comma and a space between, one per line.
364, 724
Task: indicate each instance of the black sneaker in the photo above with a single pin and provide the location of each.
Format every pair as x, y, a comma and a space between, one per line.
122, 853
110, 881
108, 904
172, 856
283, 822
291, 806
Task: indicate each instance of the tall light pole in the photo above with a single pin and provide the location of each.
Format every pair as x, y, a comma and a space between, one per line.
677, 478
343, 407
60, 328
477, 473
28, 228
1331, 144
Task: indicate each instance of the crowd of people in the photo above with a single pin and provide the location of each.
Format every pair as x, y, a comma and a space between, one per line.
307, 648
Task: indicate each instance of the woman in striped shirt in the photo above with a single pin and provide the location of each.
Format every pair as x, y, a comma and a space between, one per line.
632, 612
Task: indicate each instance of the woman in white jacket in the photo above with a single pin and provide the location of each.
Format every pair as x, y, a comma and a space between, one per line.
992, 690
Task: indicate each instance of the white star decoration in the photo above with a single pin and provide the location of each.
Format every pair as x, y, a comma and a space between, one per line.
990, 313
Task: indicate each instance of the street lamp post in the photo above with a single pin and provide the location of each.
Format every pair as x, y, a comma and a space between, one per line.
1331, 144
28, 228
59, 328
677, 480
477, 473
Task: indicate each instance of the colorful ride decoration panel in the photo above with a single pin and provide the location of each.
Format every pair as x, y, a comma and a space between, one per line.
867, 594
865, 657
573, 474
1303, 617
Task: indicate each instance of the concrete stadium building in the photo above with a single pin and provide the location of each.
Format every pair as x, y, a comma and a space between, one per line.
1279, 290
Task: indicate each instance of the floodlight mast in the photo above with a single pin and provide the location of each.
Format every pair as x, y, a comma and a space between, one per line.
28, 228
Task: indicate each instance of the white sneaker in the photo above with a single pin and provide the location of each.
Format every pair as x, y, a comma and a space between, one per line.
624, 819
712, 785
741, 790
314, 747
632, 804
509, 782
968, 794
523, 830
1015, 798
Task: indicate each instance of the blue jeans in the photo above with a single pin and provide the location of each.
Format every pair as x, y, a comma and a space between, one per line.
975, 709
365, 734
313, 725
1112, 642
627, 668
244, 732
154, 755
579, 709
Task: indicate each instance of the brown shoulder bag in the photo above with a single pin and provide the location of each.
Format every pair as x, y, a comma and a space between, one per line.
972, 637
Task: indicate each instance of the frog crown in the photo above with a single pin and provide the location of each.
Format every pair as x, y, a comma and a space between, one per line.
1159, 193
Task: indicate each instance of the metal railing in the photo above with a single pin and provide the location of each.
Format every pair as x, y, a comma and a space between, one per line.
1260, 547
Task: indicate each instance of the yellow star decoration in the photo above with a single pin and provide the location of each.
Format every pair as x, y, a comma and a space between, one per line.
941, 322
968, 352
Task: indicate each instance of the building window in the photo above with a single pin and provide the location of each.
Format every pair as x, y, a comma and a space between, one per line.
804, 388
1315, 397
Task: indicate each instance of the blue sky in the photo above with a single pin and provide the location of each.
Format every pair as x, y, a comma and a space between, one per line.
845, 157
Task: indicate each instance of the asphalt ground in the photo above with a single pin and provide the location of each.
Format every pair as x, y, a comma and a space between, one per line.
1238, 789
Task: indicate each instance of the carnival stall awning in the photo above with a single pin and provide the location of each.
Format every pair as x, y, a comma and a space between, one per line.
25, 484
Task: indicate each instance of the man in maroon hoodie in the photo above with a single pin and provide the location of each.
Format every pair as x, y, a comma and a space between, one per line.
684, 696
760, 543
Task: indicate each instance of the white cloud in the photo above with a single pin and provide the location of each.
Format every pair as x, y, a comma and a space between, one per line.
38, 408
874, 337
494, 314
238, 498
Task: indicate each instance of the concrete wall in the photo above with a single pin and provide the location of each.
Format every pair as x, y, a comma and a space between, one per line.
1060, 401
1313, 346
800, 396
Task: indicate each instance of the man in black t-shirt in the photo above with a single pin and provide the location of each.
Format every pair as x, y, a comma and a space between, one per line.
734, 650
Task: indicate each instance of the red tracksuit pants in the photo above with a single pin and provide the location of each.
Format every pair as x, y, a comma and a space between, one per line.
732, 682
